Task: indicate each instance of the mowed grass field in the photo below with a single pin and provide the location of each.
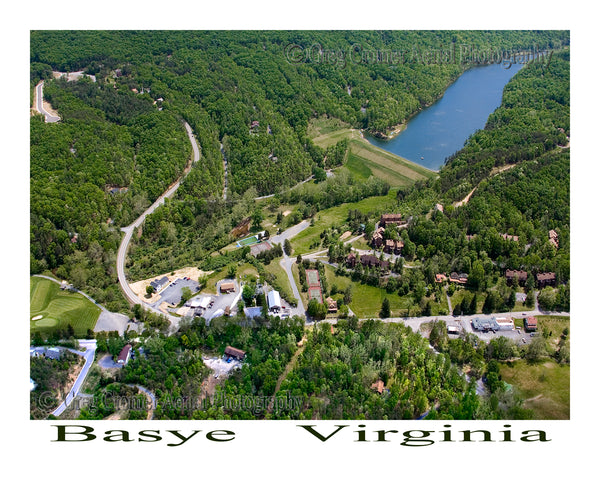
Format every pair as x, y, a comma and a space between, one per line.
59, 308
365, 160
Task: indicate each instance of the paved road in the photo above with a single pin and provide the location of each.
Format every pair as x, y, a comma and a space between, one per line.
286, 262
90, 351
122, 253
39, 88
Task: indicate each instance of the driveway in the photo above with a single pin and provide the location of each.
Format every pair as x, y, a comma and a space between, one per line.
88, 355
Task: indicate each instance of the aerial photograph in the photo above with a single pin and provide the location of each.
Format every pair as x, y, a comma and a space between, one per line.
300, 225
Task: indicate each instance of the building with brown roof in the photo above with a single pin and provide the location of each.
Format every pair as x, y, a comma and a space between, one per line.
378, 386
377, 237
518, 275
390, 219
505, 236
393, 246
530, 324
459, 278
235, 352
124, 356
440, 278
553, 238
227, 287
351, 260
546, 279
331, 305
369, 260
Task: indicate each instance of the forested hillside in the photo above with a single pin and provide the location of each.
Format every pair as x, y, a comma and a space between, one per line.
121, 141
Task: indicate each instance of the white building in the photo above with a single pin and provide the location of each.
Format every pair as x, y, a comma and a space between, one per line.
274, 301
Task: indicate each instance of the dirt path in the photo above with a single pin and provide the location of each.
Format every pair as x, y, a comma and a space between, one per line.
494, 172
288, 368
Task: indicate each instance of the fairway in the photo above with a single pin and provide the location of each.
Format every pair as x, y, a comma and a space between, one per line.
52, 308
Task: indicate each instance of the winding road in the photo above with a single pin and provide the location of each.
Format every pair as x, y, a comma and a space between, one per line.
122, 253
39, 104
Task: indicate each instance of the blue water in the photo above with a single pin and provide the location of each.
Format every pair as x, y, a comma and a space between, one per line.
442, 129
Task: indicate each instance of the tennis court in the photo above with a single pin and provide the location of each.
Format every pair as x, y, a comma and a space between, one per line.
315, 292
248, 241
312, 278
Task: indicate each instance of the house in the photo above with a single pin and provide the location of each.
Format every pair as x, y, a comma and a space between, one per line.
255, 124
439, 207
369, 261
331, 305
440, 278
553, 238
530, 324
124, 356
227, 287
242, 228
546, 279
393, 246
505, 236
273, 301
378, 386
390, 219
53, 353
235, 353
377, 237
470, 237
159, 284
518, 275
459, 278
351, 260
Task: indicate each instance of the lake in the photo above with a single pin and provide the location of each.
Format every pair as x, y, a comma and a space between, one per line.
442, 129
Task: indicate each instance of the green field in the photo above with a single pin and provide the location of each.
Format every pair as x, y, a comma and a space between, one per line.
59, 308
338, 216
364, 159
543, 386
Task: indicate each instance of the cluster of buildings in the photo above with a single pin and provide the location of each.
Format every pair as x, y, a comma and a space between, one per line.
460, 278
496, 324
368, 261
377, 239
543, 279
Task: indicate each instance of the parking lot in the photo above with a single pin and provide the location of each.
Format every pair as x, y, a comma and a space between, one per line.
172, 293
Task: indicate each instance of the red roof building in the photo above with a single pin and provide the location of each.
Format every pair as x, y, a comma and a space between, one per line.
124, 356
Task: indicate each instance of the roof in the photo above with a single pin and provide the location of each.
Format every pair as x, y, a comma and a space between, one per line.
227, 286
531, 321
252, 312
159, 282
378, 386
546, 276
234, 352
124, 353
273, 299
